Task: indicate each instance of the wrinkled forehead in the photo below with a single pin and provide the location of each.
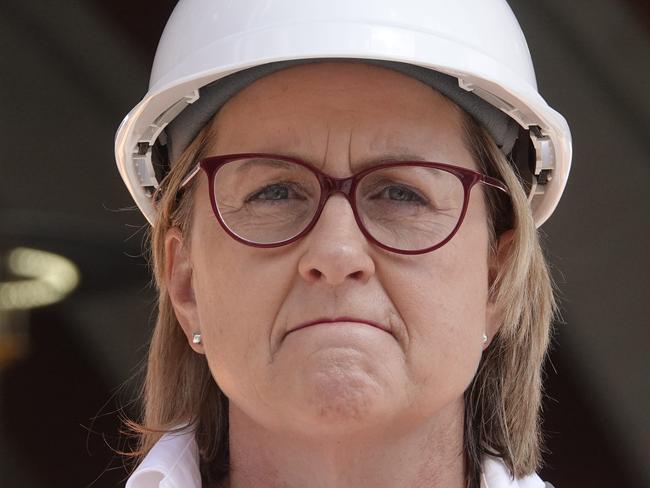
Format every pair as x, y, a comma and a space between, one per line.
344, 110
213, 97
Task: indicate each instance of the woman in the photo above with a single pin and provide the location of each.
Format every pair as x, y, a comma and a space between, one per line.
352, 292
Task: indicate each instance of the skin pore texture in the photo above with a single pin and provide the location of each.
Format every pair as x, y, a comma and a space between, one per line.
347, 404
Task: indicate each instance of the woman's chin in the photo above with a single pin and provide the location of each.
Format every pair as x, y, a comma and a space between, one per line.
340, 390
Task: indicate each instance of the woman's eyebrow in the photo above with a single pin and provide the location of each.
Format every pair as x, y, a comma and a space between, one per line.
362, 164
357, 165
266, 162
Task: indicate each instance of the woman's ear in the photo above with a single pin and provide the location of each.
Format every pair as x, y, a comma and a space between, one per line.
179, 284
497, 260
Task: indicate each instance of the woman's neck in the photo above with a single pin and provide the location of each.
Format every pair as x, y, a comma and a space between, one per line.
428, 455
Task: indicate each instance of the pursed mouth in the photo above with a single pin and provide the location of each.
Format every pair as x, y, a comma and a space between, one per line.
340, 319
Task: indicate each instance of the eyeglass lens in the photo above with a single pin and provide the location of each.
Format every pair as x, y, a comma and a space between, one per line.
405, 207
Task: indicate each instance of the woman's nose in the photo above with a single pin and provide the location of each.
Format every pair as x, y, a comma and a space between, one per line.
336, 247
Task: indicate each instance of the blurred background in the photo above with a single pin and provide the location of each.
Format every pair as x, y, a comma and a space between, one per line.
75, 296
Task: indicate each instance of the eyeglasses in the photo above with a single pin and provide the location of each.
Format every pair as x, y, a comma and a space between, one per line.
407, 207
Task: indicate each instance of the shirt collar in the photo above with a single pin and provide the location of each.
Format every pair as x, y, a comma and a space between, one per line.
173, 462
496, 475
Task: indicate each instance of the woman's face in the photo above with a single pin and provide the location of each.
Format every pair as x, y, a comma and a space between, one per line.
245, 300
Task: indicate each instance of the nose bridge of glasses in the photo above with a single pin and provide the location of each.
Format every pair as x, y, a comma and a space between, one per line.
338, 185
333, 185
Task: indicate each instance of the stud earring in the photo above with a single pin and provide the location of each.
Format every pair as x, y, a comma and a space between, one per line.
196, 338
485, 338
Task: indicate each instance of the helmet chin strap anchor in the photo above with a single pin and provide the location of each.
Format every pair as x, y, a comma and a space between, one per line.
143, 155
544, 161
537, 171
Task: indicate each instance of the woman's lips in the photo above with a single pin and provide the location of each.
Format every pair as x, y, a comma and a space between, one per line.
338, 320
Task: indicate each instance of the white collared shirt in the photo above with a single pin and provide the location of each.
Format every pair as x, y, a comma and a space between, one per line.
173, 462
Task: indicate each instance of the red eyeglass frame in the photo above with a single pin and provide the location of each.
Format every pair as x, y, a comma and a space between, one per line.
347, 186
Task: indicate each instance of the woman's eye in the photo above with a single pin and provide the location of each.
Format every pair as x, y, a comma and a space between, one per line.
275, 192
401, 194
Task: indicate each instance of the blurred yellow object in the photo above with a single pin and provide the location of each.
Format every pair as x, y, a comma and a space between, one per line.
43, 278
29, 278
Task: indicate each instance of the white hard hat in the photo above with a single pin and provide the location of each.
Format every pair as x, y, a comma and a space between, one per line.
477, 42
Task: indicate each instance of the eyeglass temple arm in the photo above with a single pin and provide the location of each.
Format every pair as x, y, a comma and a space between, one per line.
191, 175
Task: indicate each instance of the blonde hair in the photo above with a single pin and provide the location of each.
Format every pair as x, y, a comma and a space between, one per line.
503, 403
